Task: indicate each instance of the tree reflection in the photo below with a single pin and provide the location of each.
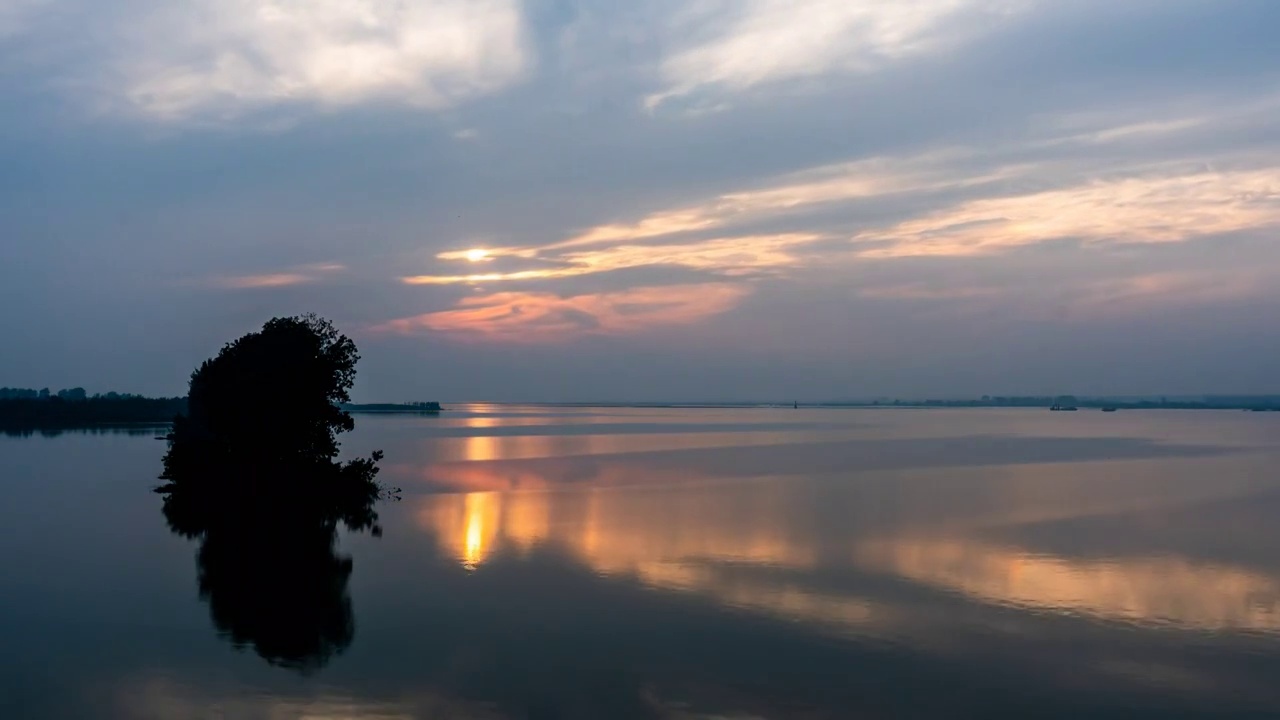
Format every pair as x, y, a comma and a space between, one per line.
271, 573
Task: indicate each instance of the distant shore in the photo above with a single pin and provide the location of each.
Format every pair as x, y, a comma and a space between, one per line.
20, 415
1266, 403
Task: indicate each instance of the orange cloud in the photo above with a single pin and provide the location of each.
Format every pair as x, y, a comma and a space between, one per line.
1146, 209
535, 317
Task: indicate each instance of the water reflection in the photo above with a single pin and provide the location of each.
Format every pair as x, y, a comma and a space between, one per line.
135, 430
1155, 590
161, 697
268, 564
1100, 580
805, 551
529, 446
281, 590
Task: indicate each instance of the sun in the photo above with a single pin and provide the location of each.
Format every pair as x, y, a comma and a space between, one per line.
477, 254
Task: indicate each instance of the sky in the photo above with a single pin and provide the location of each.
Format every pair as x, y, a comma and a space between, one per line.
656, 200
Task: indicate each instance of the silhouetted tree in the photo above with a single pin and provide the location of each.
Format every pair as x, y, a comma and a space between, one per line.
269, 399
252, 474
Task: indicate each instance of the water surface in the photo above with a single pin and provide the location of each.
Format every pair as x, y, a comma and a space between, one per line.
681, 563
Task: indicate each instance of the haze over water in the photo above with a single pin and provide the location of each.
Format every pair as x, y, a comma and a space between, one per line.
681, 563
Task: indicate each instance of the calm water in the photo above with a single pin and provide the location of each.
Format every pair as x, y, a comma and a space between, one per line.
620, 563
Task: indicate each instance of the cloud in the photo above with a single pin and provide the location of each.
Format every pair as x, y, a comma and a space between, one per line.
772, 40
946, 202
300, 275
221, 58
1149, 208
668, 237
793, 193
1148, 130
546, 317
729, 256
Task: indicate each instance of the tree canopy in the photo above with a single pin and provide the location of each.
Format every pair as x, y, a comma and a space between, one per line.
271, 395
258, 442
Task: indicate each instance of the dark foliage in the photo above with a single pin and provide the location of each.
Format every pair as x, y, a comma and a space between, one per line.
23, 413
267, 401
252, 474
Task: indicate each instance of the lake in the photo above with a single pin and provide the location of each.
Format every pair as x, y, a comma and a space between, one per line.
677, 563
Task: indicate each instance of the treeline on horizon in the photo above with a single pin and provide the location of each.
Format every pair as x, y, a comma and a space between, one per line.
26, 408
1245, 402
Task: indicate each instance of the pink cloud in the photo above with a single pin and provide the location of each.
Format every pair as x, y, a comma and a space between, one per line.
541, 317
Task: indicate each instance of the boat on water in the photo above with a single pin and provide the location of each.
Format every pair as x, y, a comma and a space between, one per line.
1109, 409
1063, 408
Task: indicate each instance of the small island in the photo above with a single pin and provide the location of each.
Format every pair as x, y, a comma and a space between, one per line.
410, 408
251, 473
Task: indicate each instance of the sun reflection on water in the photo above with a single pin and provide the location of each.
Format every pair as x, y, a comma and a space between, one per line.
756, 547
480, 526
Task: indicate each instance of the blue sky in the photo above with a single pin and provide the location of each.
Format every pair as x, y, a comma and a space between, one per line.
571, 200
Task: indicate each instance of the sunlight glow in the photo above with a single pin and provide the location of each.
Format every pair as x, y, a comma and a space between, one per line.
481, 512
477, 255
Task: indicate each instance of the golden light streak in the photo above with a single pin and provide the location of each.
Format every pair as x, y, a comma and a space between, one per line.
480, 526
728, 256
